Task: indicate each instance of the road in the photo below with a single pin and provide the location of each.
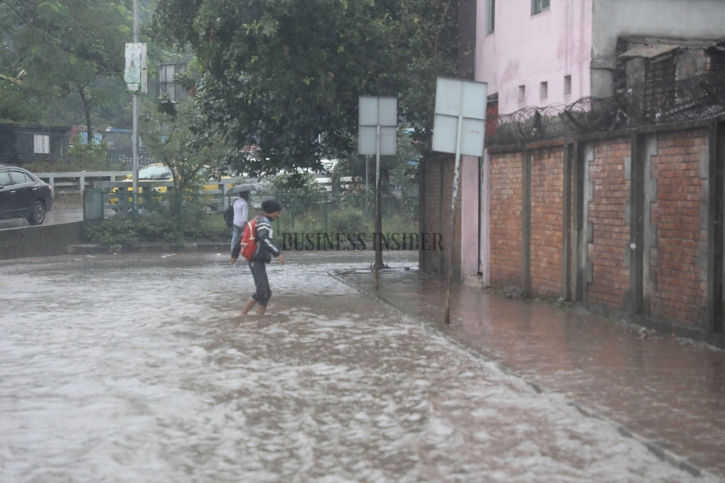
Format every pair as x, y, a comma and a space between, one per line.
54, 217
139, 368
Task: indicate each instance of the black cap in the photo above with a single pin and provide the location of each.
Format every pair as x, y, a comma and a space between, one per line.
271, 206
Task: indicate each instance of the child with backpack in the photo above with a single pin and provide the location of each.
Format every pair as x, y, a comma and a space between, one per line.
257, 248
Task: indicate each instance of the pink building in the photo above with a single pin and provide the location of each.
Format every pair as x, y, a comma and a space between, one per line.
540, 52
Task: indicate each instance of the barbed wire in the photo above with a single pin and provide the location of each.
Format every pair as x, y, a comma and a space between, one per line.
695, 98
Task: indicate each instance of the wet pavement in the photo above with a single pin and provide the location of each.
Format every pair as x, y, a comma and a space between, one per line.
139, 368
667, 390
54, 217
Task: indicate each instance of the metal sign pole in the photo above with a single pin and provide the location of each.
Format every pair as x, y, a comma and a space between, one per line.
459, 128
367, 185
378, 211
378, 131
452, 226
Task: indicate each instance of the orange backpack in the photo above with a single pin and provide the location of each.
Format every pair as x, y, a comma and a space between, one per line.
249, 242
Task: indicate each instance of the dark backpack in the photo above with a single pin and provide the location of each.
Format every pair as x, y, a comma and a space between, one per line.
229, 215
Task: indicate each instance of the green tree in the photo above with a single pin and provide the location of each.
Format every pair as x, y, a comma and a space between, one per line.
66, 46
168, 136
298, 192
285, 75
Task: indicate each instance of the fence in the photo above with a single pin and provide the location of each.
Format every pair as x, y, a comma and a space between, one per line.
696, 98
160, 215
78, 181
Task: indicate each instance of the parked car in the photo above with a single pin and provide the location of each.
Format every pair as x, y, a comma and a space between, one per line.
24, 195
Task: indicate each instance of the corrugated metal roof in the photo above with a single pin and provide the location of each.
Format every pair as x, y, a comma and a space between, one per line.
649, 51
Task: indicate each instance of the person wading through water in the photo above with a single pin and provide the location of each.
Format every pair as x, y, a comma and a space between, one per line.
258, 263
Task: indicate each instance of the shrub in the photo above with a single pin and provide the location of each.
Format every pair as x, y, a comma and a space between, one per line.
157, 228
347, 220
115, 231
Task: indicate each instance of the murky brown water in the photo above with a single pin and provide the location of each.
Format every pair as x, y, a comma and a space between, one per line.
668, 390
138, 368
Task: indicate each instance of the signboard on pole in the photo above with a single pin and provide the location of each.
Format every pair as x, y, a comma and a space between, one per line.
460, 121
464, 102
134, 73
378, 135
374, 112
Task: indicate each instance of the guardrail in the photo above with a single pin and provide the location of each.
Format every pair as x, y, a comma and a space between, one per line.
118, 195
80, 180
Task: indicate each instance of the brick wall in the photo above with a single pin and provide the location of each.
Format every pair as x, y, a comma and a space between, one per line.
547, 198
506, 199
679, 277
675, 258
610, 278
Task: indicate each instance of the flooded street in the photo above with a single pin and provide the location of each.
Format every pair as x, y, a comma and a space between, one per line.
138, 368
57, 216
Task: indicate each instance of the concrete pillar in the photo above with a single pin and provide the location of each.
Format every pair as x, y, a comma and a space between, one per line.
526, 224
469, 216
485, 226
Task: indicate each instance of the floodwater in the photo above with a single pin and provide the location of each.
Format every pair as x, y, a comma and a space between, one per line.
138, 368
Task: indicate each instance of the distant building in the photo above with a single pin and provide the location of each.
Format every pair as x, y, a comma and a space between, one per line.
20, 144
540, 52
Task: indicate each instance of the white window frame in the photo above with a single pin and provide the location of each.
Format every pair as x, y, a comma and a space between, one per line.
41, 144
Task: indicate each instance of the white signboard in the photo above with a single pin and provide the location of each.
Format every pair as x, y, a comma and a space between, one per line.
374, 112
464, 102
135, 71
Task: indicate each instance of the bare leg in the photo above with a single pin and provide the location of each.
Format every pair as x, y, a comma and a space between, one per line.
248, 306
261, 309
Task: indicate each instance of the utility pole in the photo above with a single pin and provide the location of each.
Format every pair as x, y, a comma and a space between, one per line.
135, 115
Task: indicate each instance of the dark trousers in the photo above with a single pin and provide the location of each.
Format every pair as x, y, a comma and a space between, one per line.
259, 272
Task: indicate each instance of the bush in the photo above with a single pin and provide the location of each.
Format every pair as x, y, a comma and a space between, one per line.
210, 227
399, 223
158, 228
115, 231
347, 220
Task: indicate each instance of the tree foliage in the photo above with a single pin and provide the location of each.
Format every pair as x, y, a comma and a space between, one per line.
65, 47
168, 137
285, 75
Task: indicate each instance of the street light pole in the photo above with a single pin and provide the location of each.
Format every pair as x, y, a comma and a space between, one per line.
135, 114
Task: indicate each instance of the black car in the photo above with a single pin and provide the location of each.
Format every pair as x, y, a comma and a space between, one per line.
24, 195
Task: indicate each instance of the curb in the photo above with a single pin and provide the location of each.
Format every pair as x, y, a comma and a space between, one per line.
655, 447
93, 249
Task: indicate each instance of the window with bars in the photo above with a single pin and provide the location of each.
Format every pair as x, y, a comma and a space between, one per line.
167, 87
